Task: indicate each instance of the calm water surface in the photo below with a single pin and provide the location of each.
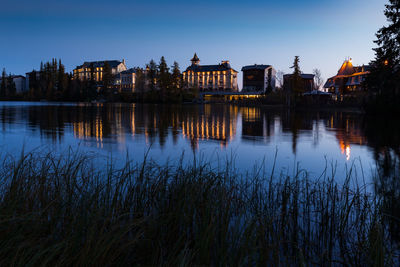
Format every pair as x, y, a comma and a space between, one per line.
215, 132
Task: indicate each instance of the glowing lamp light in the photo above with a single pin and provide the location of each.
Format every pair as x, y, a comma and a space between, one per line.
386, 62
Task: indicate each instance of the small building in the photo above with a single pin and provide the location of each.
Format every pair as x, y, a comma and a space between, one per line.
221, 77
258, 78
348, 79
83, 72
19, 81
128, 80
307, 82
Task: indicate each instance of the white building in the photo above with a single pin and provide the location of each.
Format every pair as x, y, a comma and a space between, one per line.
210, 77
83, 71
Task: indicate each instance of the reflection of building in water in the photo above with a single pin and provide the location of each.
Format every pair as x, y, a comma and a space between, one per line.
257, 124
252, 122
83, 130
348, 132
214, 123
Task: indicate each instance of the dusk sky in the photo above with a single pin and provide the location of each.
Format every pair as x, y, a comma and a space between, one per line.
323, 33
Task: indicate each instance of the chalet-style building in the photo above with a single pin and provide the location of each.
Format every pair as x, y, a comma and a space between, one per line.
258, 78
348, 79
210, 77
83, 72
307, 82
128, 80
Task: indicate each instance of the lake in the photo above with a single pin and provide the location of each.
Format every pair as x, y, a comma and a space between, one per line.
247, 136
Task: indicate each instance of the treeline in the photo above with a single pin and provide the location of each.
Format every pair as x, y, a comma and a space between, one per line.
157, 82
160, 83
7, 86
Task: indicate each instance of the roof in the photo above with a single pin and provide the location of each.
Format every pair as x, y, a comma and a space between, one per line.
316, 92
346, 68
205, 68
303, 76
129, 71
97, 64
195, 58
256, 67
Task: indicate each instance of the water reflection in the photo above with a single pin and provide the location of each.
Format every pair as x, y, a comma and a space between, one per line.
205, 123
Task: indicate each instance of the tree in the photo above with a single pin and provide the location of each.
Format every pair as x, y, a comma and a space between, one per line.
140, 80
11, 89
279, 78
297, 87
384, 78
3, 86
107, 76
318, 80
176, 78
163, 78
152, 75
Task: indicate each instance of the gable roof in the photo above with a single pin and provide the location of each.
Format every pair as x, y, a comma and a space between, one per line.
256, 67
205, 68
100, 64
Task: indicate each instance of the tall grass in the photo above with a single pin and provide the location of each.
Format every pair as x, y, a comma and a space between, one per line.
61, 210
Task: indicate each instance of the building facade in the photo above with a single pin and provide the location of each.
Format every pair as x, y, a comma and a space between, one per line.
128, 80
307, 82
83, 72
219, 77
348, 79
258, 78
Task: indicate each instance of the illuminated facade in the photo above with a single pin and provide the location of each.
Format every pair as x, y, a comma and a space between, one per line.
348, 79
83, 72
127, 80
210, 77
258, 78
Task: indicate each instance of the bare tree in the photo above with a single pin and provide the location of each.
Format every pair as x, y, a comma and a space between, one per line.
318, 80
279, 78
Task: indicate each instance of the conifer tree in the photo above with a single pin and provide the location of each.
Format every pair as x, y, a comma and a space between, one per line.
296, 77
163, 78
176, 78
152, 75
384, 78
11, 89
3, 86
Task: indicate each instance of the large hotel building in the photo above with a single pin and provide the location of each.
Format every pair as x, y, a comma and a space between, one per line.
219, 77
83, 71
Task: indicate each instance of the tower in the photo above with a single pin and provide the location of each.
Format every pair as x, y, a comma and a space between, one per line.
195, 60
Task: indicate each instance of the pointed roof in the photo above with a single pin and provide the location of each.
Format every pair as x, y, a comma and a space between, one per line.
195, 58
347, 68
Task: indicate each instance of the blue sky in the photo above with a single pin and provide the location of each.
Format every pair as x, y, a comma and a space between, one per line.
321, 32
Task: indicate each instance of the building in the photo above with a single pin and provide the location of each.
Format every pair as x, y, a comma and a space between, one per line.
210, 77
128, 80
348, 79
19, 81
258, 78
83, 72
307, 82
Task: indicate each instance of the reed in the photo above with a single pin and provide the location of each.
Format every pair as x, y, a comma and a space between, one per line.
61, 210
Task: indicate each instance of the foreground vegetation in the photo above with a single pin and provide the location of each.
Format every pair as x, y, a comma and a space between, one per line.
61, 210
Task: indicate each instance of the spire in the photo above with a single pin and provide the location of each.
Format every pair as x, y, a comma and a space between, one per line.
347, 68
195, 60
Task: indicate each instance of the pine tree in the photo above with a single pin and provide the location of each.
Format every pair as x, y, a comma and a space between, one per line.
152, 75
163, 78
384, 78
176, 78
107, 78
3, 86
296, 77
11, 89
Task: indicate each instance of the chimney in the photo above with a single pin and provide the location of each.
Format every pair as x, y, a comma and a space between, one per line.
123, 62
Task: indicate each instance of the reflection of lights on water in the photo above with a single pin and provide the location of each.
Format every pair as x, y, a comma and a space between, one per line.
347, 152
